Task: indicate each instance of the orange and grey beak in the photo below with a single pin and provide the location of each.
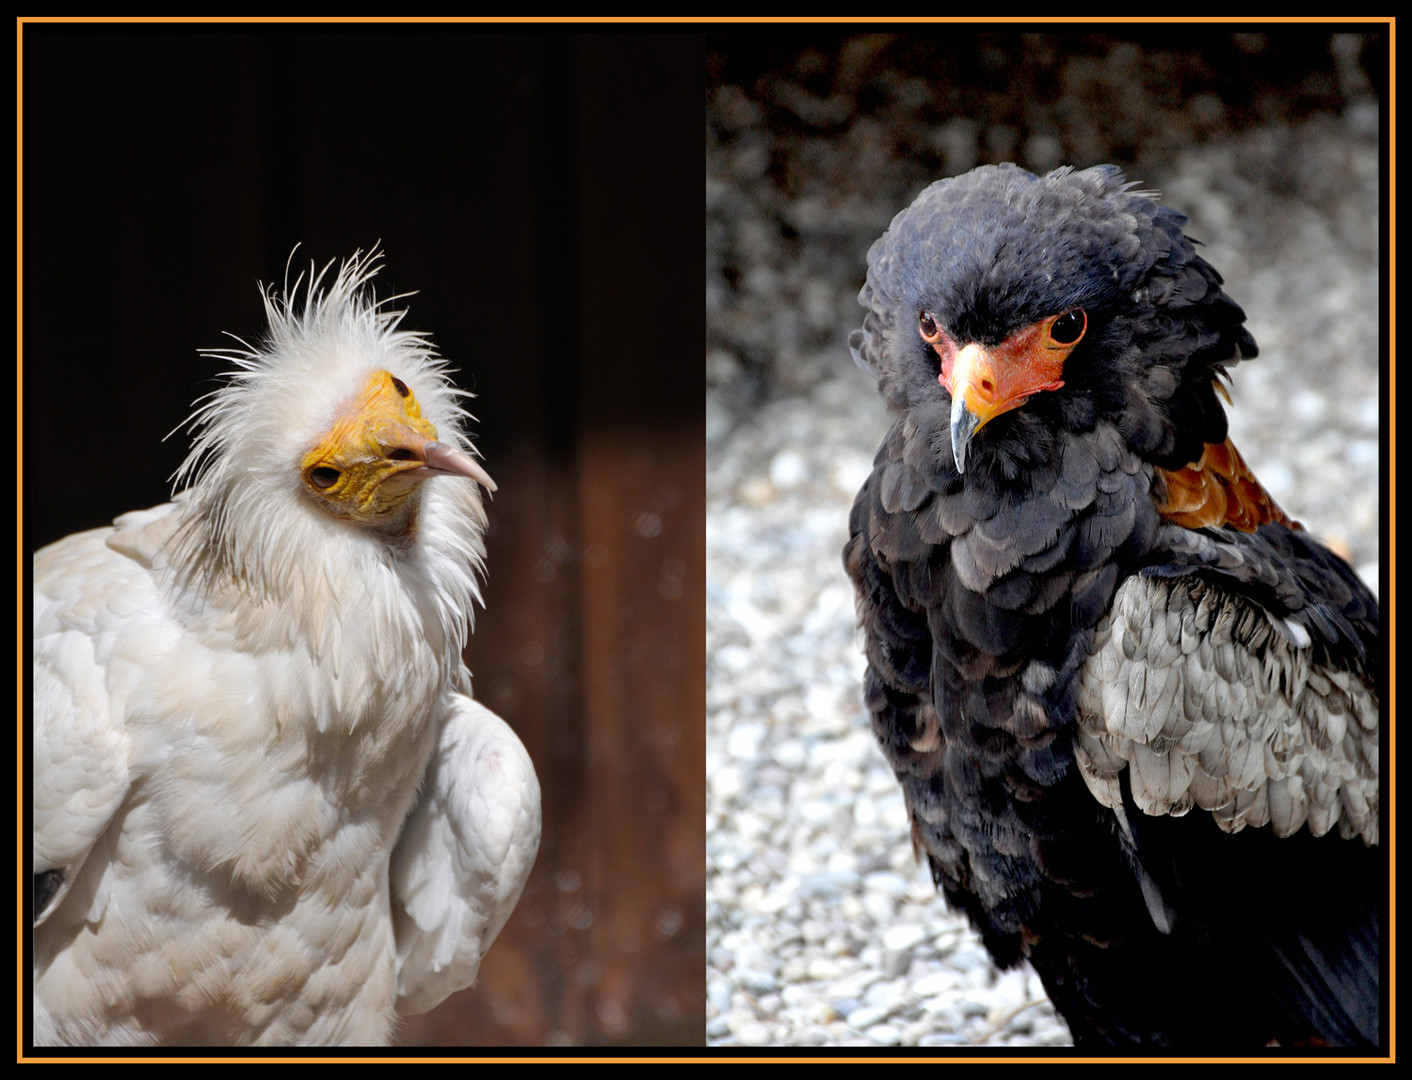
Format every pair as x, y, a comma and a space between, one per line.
973, 398
985, 382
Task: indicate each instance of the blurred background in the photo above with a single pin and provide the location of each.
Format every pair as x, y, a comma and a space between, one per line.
541, 194
822, 928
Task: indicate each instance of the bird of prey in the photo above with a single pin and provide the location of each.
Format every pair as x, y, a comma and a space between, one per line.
267, 809
1133, 706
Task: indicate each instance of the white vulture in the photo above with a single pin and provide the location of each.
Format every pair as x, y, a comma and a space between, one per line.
266, 808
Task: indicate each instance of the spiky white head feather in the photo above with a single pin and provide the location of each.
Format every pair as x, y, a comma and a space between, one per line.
255, 521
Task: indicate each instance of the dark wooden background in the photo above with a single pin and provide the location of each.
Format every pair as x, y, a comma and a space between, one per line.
542, 193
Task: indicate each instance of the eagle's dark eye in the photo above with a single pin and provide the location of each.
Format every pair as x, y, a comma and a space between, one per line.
1068, 327
927, 327
323, 477
401, 386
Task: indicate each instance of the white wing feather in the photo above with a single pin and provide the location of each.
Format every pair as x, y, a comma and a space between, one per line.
81, 769
464, 855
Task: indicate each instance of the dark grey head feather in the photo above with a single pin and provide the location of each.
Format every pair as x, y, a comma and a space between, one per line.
995, 250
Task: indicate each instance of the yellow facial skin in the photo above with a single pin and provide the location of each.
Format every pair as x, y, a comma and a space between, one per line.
376, 454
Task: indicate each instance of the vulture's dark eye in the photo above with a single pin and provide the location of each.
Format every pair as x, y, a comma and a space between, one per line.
323, 477
1069, 327
401, 386
928, 328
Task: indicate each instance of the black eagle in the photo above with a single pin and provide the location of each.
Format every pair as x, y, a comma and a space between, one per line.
1133, 706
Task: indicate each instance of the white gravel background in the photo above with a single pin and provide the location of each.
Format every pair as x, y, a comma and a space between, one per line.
822, 928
